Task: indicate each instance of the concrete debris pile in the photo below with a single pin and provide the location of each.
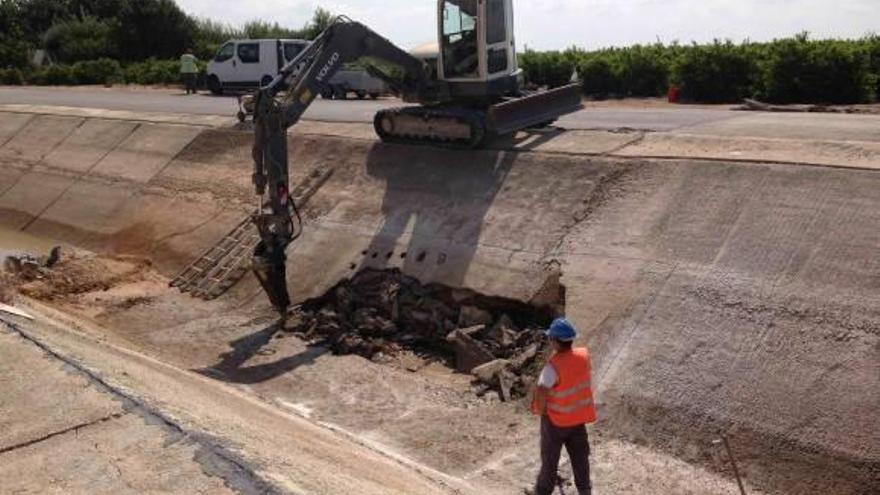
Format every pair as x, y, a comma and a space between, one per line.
381, 315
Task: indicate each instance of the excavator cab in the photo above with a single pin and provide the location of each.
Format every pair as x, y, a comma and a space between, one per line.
477, 48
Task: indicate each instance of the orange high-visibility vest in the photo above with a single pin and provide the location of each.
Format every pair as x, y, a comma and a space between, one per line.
570, 402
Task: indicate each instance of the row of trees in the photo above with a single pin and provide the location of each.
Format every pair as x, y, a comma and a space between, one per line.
792, 70
142, 36
123, 30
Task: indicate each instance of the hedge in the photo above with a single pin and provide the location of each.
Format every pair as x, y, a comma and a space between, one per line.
101, 71
11, 77
793, 70
717, 73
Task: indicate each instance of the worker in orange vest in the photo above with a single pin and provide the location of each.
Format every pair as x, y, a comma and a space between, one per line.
564, 400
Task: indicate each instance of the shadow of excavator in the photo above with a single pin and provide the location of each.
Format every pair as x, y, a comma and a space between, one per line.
232, 369
436, 203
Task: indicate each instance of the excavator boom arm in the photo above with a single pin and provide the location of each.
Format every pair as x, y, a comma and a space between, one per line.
343, 42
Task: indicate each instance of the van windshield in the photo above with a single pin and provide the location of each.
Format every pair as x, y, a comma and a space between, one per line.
291, 50
225, 53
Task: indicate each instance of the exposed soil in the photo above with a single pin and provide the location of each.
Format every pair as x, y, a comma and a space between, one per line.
90, 283
392, 318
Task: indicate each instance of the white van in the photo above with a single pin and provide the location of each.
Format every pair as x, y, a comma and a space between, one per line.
247, 64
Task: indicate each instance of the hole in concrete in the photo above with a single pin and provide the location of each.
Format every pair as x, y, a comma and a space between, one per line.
375, 255
352, 266
364, 252
392, 318
389, 254
422, 256
403, 256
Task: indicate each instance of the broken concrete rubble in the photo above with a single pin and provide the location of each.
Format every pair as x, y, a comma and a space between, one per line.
387, 317
487, 372
469, 352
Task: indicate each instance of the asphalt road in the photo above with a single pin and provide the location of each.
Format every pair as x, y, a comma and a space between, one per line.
146, 100
700, 120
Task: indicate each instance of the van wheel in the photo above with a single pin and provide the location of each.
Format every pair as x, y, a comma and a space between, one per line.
361, 94
340, 93
327, 93
265, 81
374, 96
214, 85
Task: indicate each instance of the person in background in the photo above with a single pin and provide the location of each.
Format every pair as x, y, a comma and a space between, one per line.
564, 400
189, 71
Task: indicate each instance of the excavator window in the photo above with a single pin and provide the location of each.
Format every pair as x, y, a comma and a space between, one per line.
496, 36
460, 46
496, 23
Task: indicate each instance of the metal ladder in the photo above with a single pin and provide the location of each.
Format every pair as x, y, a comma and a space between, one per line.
224, 264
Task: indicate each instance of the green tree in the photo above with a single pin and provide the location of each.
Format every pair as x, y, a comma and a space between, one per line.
210, 35
13, 48
321, 20
35, 17
721, 72
153, 28
799, 70
86, 39
256, 29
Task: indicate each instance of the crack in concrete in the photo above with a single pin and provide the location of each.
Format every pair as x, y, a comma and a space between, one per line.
637, 140
49, 436
214, 459
603, 192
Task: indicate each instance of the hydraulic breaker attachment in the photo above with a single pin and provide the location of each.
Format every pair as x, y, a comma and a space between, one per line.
269, 262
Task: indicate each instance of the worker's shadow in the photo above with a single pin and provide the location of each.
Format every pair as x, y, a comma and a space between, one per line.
435, 208
230, 368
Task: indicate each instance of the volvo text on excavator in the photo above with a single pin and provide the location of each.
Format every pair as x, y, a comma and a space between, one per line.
470, 93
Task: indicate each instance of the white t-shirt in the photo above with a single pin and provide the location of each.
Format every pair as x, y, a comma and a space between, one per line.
548, 377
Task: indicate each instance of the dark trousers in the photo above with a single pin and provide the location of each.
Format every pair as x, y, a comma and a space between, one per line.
189, 80
577, 445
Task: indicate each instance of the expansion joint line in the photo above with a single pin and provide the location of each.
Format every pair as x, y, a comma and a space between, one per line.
54, 434
19, 131
246, 480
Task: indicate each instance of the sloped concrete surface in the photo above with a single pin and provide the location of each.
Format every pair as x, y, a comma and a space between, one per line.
145, 152
38, 137
88, 144
717, 295
61, 434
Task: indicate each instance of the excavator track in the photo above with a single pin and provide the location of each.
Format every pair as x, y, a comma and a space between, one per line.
455, 127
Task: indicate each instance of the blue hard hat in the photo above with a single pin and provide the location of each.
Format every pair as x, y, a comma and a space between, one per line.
561, 330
